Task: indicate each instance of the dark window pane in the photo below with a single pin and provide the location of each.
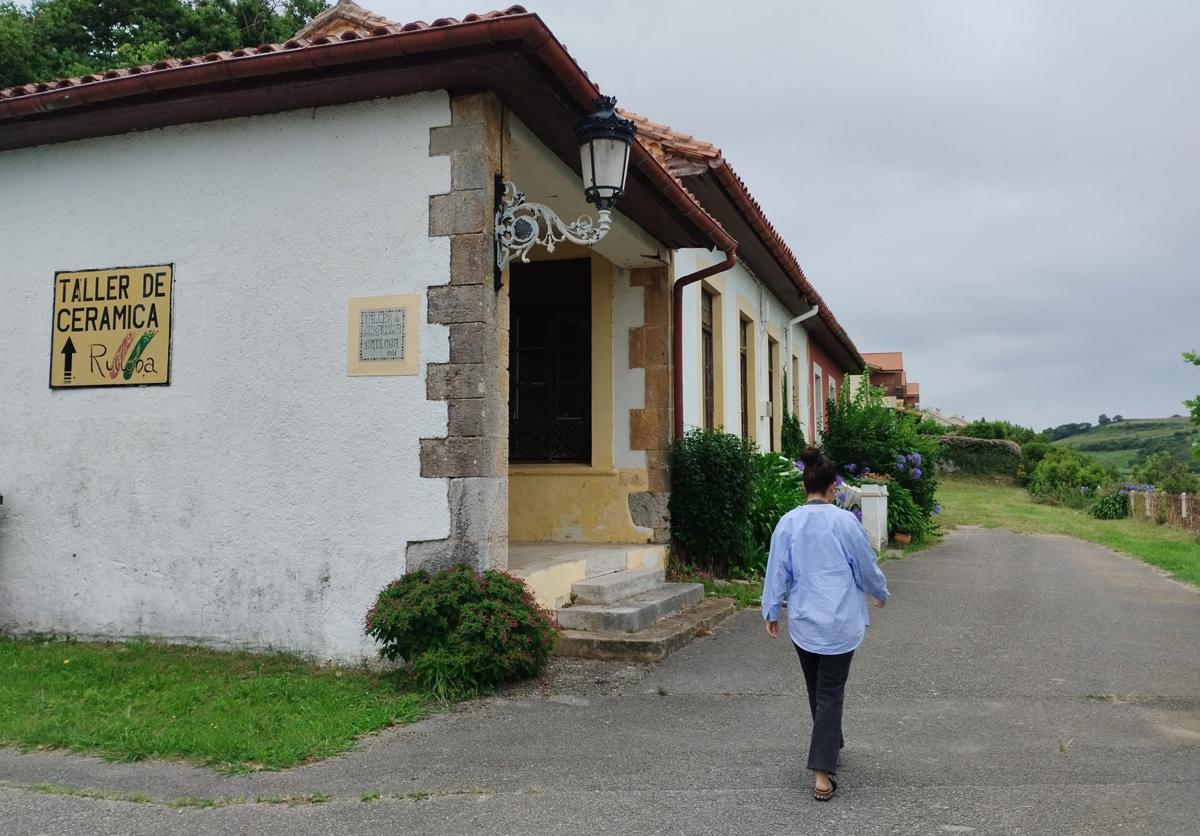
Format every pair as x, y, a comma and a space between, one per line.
550, 366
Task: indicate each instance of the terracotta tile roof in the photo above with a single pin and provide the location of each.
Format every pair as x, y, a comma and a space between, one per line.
679, 153
384, 27
685, 156
885, 361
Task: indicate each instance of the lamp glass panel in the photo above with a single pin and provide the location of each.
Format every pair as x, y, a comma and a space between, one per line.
610, 157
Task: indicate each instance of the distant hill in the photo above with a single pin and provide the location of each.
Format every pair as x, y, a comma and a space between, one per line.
1120, 442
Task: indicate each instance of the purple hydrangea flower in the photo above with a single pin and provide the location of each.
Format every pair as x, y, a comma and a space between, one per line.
937, 507
800, 466
857, 512
916, 473
852, 468
839, 481
915, 458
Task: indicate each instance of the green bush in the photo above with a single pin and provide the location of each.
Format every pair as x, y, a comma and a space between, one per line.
778, 487
462, 633
968, 454
712, 475
1031, 455
904, 515
1113, 506
998, 430
1167, 474
791, 436
1068, 477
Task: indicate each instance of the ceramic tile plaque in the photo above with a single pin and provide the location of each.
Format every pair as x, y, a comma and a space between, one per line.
382, 335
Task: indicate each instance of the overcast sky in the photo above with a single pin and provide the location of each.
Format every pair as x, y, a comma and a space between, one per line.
1008, 192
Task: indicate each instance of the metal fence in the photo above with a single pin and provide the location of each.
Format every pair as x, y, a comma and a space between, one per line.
1181, 510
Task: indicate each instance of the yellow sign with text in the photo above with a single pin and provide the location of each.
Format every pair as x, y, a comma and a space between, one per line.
112, 327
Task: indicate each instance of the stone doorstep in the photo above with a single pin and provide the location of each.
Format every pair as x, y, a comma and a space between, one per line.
634, 613
616, 586
653, 644
551, 569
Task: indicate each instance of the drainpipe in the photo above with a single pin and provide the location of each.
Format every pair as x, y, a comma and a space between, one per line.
677, 329
787, 336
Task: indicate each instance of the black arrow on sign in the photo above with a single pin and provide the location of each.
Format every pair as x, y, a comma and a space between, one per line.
68, 353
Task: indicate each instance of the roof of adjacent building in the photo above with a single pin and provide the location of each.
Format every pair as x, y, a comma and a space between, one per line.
690, 160
885, 361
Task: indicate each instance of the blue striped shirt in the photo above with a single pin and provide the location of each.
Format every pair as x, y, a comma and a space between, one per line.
821, 559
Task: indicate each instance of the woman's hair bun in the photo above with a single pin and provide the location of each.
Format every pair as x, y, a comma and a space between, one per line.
810, 456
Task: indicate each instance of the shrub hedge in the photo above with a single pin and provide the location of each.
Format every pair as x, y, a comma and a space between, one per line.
979, 456
712, 476
462, 633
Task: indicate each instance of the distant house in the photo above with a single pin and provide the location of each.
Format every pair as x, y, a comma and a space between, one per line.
887, 373
949, 421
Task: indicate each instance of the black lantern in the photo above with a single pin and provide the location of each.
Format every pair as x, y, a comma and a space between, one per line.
604, 140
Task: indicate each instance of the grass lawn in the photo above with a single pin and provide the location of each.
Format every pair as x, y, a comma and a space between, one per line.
233, 710
993, 504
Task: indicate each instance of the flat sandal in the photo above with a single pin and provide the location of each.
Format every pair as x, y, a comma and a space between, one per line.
827, 794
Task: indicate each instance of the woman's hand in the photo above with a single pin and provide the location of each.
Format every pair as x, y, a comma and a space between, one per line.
772, 628
877, 604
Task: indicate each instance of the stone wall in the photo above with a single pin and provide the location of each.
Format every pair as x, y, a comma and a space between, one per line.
473, 455
650, 427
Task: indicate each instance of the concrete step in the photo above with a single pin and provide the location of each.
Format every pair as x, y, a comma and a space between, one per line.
617, 586
632, 614
653, 644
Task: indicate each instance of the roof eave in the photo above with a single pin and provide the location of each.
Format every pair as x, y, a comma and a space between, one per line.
188, 92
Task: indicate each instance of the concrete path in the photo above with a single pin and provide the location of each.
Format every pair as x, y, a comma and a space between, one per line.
1016, 684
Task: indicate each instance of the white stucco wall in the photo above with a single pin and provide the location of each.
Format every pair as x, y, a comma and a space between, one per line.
766, 311
263, 497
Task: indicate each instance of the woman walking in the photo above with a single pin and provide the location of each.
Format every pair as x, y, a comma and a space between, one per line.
822, 561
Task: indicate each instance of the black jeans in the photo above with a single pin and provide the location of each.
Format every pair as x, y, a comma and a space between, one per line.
825, 677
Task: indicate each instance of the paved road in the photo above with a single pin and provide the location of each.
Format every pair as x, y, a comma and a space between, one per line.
1016, 684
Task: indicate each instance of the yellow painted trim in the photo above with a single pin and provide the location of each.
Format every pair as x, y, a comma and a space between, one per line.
555, 469
602, 361
584, 505
718, 353
551, 585
748, 311
775, 397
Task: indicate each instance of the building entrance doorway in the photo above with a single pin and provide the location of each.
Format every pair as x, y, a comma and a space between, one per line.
550, 362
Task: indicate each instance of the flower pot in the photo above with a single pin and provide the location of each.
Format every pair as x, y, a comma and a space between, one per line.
901, 538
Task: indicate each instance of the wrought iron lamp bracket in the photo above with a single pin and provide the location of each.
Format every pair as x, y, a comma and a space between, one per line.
521, 224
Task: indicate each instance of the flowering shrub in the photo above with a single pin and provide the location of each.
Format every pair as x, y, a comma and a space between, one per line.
862, 434
462, 633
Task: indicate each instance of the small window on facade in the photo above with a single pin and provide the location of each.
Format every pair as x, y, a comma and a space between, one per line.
744, 354
772, 377
818, 401
796, 385
708, 359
